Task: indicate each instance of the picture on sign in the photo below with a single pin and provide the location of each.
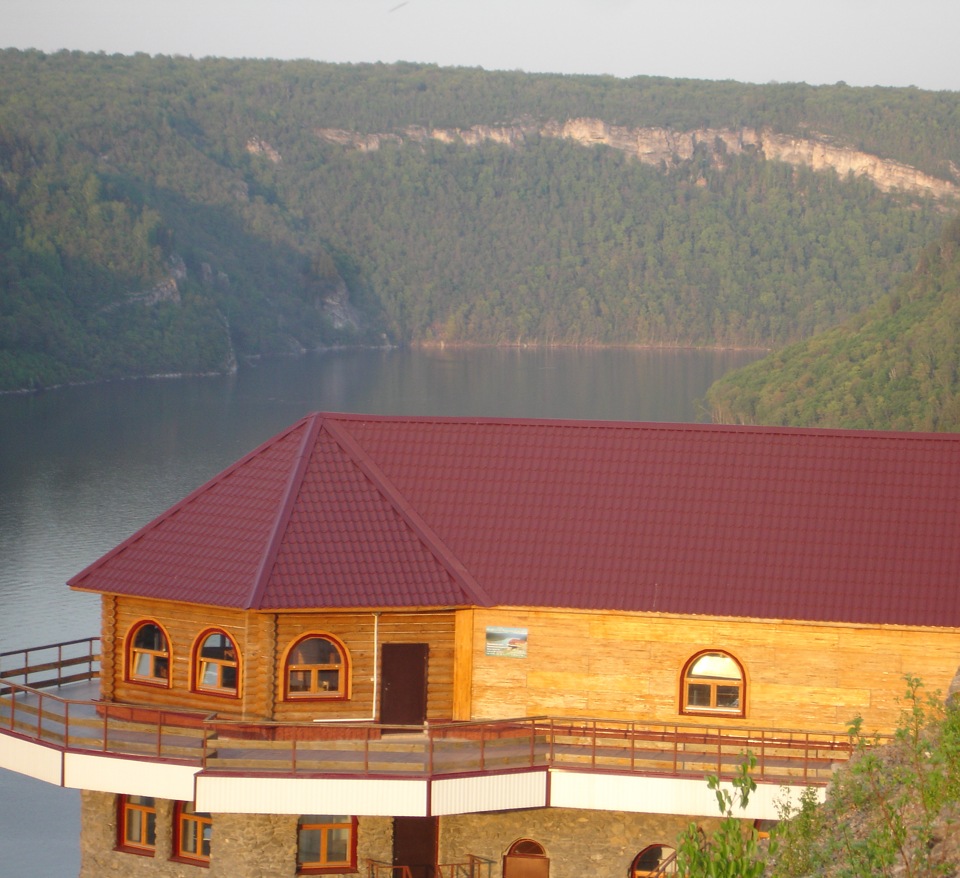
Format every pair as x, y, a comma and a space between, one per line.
510, 642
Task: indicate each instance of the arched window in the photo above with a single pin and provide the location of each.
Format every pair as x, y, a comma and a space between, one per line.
148, 657
217, 664
526, 858
713, 682
316, 667
655, 859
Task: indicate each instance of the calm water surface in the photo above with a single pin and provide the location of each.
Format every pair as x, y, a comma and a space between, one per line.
82, 468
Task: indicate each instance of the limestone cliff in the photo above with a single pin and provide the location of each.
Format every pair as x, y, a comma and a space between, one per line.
656, 146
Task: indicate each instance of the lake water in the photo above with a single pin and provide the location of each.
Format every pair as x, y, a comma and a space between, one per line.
82, 468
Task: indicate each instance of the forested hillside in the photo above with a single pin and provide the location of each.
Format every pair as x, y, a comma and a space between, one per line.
894, 367
169, 214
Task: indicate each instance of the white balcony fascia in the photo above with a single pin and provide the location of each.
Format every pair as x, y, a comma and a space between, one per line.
663, 795
489, 792
31, 759
381, 797
134, 777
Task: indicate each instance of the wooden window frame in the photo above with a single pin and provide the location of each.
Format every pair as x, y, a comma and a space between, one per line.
201, 832
666, 851
159, 659
516, 849
221, 665
324, 824
714, 684
126, 806
525, 857
315, 690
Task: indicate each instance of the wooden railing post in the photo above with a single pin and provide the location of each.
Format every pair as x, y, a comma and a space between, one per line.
761, 756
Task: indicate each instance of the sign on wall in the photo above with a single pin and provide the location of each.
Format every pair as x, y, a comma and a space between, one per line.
510, 642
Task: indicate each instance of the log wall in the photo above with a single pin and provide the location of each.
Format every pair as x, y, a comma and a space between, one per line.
628, 667
262, 640
581, 664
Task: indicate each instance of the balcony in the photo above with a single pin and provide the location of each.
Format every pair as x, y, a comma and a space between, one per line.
53, 727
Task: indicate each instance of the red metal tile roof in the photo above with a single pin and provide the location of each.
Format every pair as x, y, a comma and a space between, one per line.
377, 511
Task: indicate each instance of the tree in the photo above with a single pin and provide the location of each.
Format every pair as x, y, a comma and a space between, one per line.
733, 851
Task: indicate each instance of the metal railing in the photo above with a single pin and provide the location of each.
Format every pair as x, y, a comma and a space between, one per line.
226, 745
666, 868
379, 869
471, 867
56, 664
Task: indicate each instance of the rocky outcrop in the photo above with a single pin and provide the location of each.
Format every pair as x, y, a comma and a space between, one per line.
257, 146
167, 289
663, 146
338, 309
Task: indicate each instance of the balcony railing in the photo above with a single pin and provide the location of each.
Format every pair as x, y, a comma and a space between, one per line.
56, 664
471, 867
225, 745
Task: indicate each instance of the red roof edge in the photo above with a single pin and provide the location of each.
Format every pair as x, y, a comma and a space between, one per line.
450, 562
74, 581
269, 557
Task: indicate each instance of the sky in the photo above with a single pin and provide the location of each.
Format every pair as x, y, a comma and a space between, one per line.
861, 42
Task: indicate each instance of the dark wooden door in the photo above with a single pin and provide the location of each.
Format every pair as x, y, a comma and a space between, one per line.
415, 845
403, 683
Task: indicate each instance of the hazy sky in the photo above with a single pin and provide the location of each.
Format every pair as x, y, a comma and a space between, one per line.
863, 42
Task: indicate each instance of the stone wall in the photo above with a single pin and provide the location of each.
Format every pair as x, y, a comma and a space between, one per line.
601, 844
242, 845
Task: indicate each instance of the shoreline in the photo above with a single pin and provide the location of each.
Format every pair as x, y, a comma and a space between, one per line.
600, 346
428, 346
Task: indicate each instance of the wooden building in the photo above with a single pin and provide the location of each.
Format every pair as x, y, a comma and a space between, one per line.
495, 647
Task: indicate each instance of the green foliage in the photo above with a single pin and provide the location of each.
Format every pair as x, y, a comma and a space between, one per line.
798, 836
885, 813
733, 850
117, 173
893, 367
561, 244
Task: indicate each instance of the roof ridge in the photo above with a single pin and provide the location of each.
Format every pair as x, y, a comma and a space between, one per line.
294, 481
664, 426
414, 520
181, 504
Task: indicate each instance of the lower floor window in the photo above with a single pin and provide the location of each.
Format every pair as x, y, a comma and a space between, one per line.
137, 822
193, 831
326, 842
654, 860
